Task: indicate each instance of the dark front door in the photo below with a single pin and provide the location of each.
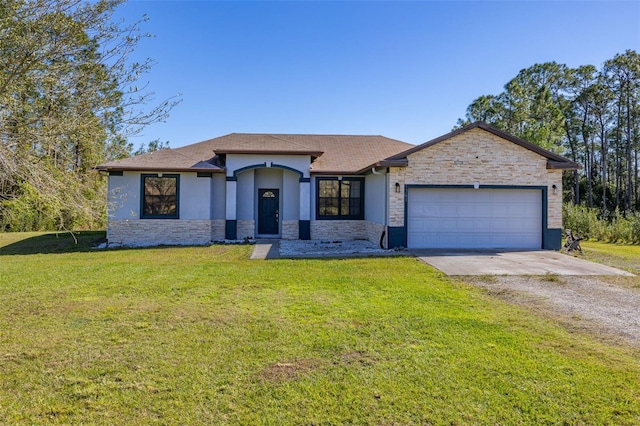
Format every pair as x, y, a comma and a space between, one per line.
268, 202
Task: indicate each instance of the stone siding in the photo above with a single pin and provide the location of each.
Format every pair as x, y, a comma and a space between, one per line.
374, 232
246, 228
346, 230
338, 230
290, 230
475, 156
151, 232
218, 229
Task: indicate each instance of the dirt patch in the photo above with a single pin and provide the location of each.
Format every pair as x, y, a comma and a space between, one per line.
280, 372
607, 307
358, 358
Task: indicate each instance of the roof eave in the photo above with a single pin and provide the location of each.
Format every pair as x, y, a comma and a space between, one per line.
157, 169
562, 165
403, 162
335, 172
384, 163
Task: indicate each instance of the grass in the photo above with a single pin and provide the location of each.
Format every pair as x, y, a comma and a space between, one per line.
621, 256
48, 243
201, 335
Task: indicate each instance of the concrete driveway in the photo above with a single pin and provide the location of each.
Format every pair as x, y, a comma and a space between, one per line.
491, 262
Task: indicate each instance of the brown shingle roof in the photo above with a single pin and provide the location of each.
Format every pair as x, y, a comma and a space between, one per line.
335, 153
163, 160
250, 143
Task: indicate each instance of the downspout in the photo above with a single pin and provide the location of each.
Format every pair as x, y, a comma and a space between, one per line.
384, 205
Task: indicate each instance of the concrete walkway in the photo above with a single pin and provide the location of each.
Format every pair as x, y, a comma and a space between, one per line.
451, 262
317, 249
491, 262
266, 249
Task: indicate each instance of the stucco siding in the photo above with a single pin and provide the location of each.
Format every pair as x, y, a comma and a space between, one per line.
375, 206
195, 193
245, 196
290, 197
124, 196
300, 163
218, 196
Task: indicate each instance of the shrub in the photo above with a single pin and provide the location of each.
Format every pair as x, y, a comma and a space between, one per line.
33, 211
581, 220
589, 223
635, 227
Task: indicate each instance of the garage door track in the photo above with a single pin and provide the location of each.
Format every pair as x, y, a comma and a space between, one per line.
494, 262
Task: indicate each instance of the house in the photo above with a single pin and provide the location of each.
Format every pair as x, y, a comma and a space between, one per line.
476, 187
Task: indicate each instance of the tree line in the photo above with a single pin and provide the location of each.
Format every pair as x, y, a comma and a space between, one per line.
589, 114
70, 96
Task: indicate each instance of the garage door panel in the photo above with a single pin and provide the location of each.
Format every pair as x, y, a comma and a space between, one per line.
521, 209
445, 210
501, 210
449, 225
468, 218
466, 226
483, 211
447, 197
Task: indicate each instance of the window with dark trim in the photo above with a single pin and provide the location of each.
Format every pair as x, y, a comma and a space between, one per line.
160, 196
340, 199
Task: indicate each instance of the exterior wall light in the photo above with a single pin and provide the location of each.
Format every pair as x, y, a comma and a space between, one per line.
555, 189
397, 187
476, 185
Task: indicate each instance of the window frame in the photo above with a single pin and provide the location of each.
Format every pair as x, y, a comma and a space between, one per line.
340, 199
143, 176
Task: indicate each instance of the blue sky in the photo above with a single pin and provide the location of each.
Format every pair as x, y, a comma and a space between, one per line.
406, 70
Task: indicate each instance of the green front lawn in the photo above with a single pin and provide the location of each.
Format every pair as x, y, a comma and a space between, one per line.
621, 256
201, 335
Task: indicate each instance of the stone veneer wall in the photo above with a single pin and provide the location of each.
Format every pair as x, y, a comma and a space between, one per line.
290, 230
246, 228
476, 156
346, 230
218, 229
149, 232
374, 232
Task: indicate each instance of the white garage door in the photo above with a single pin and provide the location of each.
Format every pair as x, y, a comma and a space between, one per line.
474, 218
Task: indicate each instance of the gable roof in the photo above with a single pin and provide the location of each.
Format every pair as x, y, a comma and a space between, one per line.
554, 161
331, 154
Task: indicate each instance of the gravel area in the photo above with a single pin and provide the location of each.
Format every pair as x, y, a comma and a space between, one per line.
329, 248
595, 304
